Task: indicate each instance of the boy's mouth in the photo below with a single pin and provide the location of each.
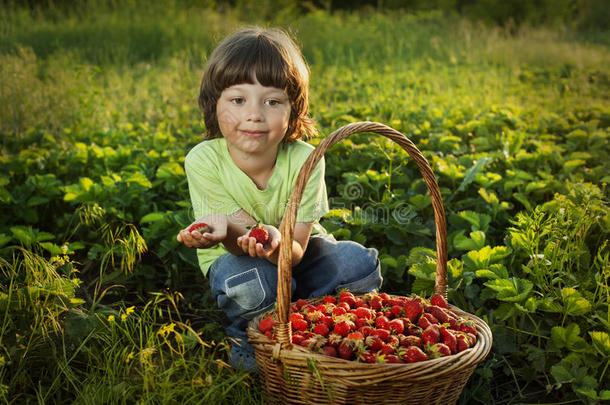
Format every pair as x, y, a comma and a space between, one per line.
253, 133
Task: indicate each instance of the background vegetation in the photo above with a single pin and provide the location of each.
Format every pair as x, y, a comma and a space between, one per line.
98, 302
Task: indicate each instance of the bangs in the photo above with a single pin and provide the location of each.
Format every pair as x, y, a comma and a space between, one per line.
256, 58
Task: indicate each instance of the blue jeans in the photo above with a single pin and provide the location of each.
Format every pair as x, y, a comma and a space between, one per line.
245, 287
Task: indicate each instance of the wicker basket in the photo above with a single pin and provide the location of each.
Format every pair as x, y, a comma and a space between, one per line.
292, 374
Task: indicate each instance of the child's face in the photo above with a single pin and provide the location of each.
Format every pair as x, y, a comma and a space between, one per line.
253, 118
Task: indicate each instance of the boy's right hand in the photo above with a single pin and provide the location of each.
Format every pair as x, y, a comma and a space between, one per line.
217, 233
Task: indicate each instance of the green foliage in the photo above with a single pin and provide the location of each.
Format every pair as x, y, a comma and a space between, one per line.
98, 109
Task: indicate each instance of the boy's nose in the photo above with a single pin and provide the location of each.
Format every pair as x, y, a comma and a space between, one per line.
254, 113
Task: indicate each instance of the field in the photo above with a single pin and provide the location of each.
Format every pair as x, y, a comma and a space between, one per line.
98, 107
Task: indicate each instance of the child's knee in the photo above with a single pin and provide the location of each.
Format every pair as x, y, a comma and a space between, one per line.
362, 267
242, 288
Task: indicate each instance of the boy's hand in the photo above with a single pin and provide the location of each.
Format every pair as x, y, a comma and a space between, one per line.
254, 249
217, 232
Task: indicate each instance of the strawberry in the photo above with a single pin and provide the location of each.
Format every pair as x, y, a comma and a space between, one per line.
347, 297
364, 313
373, 342
396, 309
427, 319
387, 349
352, 342
383, 334
411, 341
449, 339
314, 316
413, 309
297, 338
260, 234
330, 351
467, 327
200, 227
360, 303
329, 299
431, 335
266, 324
438, 312
462, 342
295, 315
396, 325
342, 328
327, 320
339, 311
300, 303
392, 358
321, 329
376, 302
366, 357
299, 324
345, 351
413, 354
439, 300
438, 350
394, 341
382, 322
365, 330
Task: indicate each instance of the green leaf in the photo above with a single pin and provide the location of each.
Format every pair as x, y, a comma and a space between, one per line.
170, 169
471, 173
511, 290
475, 242
601, 342
573, 302
495, 271
152, 217
139, 178
566, 337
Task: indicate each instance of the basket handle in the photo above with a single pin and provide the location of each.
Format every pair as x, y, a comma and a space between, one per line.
289, 220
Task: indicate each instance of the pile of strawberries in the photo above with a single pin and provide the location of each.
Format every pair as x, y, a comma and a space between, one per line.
377, 328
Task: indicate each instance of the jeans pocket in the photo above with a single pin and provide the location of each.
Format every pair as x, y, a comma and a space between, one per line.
245, 289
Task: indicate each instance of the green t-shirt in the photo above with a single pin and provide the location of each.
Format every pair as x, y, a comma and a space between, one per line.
218, 186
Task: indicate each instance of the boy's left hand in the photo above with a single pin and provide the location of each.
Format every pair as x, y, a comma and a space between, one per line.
254, 249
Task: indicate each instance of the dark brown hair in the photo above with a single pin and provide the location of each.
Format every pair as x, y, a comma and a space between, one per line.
270, 56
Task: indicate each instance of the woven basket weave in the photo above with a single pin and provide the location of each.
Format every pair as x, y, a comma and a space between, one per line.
292, 374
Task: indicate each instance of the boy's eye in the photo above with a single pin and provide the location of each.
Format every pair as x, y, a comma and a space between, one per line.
272, 102
237, 100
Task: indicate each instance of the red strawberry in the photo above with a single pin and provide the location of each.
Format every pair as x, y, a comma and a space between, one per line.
431, 335
260, 234
314, 316
396, 325
339, 311
266, 324
439, 300
383, 334
345, 351
462, 342
449, 339
295, 315
348, 298
321, 329
329, 351
360, 303
364, 313
426, 320
382, 322
329, 299
396, 310
438, 350
297, 338
365, 330
387, 349
393, 340
413, 354
327, 320
467, 327
373, 342
438, 312
411, 341
392, 358
300, 303
376, 303
366, 357
201, 227
299, 324
342, 328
